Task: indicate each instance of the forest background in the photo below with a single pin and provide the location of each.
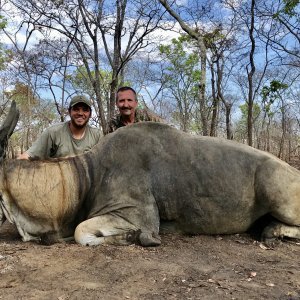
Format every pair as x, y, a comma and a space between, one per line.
227, 68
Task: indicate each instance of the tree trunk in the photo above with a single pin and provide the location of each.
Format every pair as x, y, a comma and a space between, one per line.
281, 153
202, 89
250, 78
215, 104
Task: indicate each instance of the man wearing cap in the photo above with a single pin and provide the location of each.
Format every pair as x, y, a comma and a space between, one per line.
68, 138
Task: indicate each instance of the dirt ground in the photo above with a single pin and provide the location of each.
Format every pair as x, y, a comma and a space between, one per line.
183, 267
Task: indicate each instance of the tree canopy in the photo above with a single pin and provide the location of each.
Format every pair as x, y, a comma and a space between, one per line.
202, 65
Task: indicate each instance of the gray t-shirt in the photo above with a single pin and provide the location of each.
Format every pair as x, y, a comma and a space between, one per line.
57, 141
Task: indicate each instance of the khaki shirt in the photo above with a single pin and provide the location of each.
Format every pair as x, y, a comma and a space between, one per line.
57, 141
141, 115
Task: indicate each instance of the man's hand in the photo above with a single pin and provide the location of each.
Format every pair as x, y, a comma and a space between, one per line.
24, 155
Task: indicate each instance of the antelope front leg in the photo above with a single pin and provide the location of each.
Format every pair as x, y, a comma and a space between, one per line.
106, 229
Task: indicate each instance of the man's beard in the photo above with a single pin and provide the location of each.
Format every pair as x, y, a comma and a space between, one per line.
79, 126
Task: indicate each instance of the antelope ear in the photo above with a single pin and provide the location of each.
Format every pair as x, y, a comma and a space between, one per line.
8, 126
10, 122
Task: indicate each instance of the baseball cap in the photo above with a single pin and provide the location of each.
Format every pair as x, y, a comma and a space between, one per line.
80, 99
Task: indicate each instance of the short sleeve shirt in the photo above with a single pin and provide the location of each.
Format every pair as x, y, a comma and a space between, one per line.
57, 141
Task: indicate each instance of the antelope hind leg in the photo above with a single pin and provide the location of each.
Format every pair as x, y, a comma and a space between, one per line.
279, 230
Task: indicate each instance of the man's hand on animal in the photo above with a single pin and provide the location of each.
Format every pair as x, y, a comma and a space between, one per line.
69, 138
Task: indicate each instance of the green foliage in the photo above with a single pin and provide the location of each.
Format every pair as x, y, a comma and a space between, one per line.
271, 93
182, 77
244, 111
289, 8
3, 22
81, 81
182, 60
211, 38
3, 53
242, 123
